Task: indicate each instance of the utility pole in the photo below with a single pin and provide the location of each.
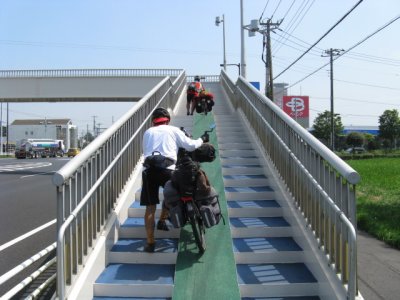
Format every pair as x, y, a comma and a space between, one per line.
331, 53
269, 85
94, 125
7, 131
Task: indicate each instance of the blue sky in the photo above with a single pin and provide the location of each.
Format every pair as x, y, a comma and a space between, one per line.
48, 34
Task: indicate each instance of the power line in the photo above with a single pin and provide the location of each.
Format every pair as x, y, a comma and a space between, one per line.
265, 7
292, 22
276, 9
367, 84
354, 46
357, 100
336, 24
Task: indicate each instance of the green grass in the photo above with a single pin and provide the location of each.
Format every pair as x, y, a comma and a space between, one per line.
378, 198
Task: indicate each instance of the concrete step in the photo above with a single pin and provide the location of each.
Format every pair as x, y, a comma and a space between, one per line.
134, 228
239, 161
238, 153
132, 251
231, 194
257, 170
135, 280
276, 279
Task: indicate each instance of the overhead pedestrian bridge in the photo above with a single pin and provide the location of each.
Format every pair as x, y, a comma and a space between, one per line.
288, 201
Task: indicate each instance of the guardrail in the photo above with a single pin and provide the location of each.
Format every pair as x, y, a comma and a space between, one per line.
321, 184
89, 185
23, 266
204, 78
90, 73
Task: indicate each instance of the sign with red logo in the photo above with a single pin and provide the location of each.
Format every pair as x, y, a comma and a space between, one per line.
296, 106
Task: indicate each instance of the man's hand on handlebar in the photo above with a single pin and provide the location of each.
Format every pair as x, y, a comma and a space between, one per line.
205, 137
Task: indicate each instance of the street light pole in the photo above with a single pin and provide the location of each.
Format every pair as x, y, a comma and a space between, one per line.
243, 55
237, 65
217, 21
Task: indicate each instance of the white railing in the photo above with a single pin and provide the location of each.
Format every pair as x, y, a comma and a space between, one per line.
90, 73
23, 266
322, 185
89, 185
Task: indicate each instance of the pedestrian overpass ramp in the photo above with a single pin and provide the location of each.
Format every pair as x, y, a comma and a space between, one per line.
86, 85
284, 236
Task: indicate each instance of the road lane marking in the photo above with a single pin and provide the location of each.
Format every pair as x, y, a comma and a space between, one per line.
43, 173
18, 167
26, 235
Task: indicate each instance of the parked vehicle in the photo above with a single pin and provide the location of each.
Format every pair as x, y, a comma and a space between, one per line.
34, 148
355, 150
72, 152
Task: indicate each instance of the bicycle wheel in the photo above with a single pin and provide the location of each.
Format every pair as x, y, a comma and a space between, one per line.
198, 232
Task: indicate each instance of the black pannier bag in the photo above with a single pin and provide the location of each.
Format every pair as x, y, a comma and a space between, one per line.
205, 153
173, 203
184, 177
210, 208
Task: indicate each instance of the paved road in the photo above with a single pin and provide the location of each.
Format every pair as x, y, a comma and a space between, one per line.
27, 201
378, 269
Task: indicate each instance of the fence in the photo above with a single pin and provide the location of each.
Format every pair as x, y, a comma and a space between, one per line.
321, 184
89, 185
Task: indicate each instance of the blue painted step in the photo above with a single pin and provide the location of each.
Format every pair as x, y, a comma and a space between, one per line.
230, 166
137, 244
142, 274
250, 189
264, 244
244, 176
252, 204
251, 222
274, 273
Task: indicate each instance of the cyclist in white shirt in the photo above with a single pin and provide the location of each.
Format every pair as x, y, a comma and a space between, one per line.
161, 143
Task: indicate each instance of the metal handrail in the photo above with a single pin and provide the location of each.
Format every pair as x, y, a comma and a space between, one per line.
90, 73
89, 185
24, 265
321, 184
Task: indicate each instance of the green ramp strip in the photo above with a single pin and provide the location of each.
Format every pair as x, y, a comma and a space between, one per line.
213, 274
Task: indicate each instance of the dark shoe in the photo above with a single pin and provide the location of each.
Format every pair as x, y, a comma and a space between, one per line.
191, 114
149, 248
161, 225
188, 113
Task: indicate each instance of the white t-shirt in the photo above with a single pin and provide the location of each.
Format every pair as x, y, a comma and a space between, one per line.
167, 140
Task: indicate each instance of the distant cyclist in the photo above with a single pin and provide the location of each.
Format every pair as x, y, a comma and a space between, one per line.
193, 91
197, 102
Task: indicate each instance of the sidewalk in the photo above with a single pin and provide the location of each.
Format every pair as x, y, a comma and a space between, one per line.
378, 269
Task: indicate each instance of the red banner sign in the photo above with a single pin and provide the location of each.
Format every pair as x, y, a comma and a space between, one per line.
296, 106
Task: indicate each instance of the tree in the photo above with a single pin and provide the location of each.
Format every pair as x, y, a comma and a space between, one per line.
355, 139
322, 126
389, 126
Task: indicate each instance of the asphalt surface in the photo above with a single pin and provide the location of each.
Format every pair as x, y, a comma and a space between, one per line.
27, 201
378, 269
